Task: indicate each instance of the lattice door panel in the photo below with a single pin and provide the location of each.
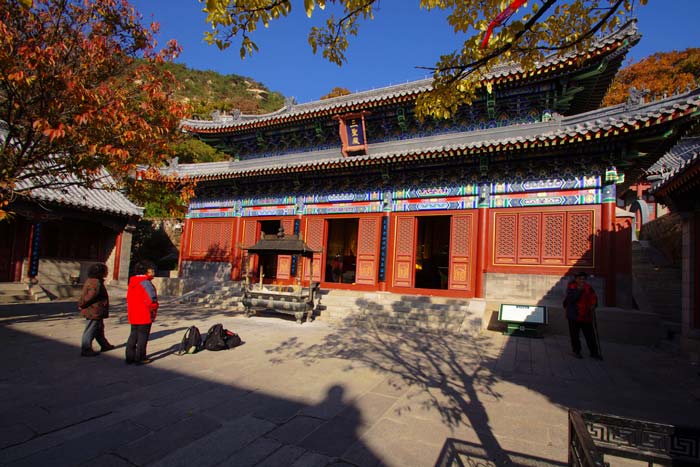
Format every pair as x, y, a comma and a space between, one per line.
284, 262
367, 251
405, 257
461, 238
315, 233
251, 231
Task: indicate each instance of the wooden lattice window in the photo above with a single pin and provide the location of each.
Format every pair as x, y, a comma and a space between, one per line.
554, 226
580, 238
211, 238
544, 238
529, 235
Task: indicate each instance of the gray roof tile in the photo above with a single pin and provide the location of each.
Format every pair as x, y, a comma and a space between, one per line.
99, 198
684, 150
605, 119
669, 177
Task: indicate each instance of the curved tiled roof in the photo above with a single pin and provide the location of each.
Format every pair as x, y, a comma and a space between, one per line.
684, 150
402, 92
66, 189
593, 125
687, 171
70, 193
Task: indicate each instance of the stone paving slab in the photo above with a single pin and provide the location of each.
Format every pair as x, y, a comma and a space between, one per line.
312, 395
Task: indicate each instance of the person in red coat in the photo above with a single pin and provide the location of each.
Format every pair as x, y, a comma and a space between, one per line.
580, 303
142, 307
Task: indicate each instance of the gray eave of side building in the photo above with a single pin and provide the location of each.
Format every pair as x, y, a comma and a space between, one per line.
677, 156
628, 31
98, 198
593, 121
71, 193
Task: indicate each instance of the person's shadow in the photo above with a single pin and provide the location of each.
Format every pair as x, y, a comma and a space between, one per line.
339, 435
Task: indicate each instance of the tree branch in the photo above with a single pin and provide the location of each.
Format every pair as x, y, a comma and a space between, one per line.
350, 14
590, 32
469, 68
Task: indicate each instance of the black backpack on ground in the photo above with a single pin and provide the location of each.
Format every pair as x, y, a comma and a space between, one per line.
219, 338
191, 341
232, 339
216, 338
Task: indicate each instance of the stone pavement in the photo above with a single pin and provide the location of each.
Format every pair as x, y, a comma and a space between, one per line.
311, 394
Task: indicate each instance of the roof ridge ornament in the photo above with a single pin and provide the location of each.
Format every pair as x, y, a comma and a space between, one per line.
636, 97
289, 102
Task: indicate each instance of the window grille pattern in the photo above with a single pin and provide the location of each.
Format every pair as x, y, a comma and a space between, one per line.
544, 238
404, 235
505, 237
461, 231
580, 238
211, 238
553, 243
529, 238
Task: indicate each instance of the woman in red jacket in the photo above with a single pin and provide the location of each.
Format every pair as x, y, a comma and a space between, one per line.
580, 304
142, 307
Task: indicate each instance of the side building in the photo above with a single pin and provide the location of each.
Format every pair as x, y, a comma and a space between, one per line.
505, 199
55, 234
680, 189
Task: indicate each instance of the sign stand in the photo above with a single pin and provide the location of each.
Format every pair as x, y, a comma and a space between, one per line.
522, 320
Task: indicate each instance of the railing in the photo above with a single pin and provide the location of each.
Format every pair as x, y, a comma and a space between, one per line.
594, 436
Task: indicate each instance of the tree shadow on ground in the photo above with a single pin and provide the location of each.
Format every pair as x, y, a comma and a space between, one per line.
462, 376
453, 372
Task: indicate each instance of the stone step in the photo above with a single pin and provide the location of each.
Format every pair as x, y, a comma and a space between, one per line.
15, 298
390, 300
12, 286
395, 324
391, 319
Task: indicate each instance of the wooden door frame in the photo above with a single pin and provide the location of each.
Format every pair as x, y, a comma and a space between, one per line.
391, 256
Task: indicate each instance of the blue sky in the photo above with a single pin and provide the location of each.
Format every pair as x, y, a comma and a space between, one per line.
387, 50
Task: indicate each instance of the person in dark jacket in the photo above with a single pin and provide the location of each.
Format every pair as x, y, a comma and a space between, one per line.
94, 307
580, 303
142, 307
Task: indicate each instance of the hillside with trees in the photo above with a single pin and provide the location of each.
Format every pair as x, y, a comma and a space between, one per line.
208, 91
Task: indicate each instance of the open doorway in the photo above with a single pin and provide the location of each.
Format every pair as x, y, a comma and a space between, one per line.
433, 252
269, 262
341, 251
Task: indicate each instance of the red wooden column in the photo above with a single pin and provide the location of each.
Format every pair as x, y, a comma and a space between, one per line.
236, 254
184, 243
117, 255
694, 292
33, 254
607, 233
482, 244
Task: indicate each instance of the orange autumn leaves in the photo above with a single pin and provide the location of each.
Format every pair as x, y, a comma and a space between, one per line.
663, 72
81, 85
